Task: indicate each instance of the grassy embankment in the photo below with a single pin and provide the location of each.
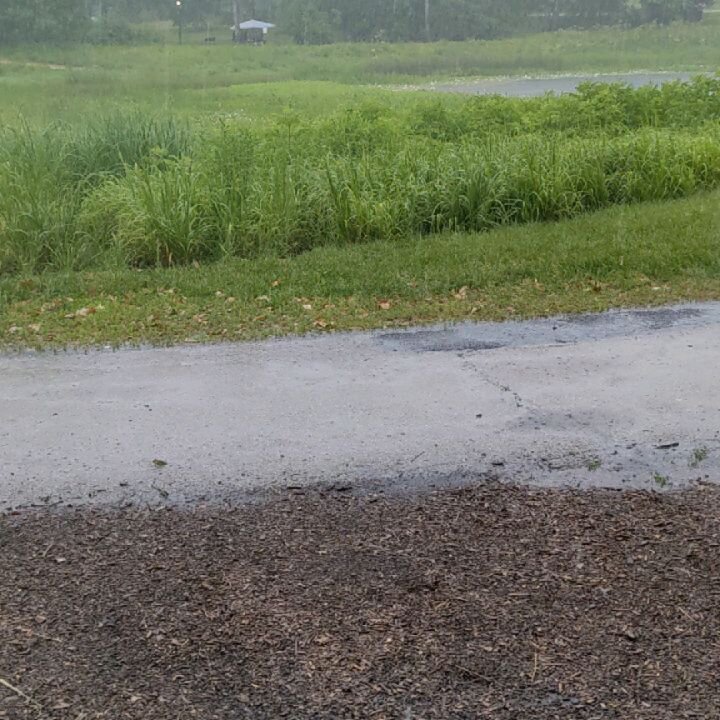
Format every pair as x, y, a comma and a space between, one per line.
137, 229
645, 254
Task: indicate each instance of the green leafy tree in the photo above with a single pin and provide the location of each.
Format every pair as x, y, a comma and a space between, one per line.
323, 21
43, 20
666, 11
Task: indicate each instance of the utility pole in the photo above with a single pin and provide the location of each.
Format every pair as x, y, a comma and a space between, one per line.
178, 4
427, 20
555, 21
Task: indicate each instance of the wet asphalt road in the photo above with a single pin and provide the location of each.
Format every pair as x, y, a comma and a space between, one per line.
536, 87
623, 399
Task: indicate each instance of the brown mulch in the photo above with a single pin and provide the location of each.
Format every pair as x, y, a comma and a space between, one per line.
488, 602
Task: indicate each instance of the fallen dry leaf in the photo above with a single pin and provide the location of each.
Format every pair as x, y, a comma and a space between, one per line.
384, 304
81, 313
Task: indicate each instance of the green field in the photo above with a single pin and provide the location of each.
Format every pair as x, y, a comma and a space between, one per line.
195, 79
163, 193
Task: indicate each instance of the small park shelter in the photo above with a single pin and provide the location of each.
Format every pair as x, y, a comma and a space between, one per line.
251, 31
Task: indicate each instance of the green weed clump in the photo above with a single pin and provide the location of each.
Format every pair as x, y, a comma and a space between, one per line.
45, 177
134, 191
611, 108
284, 203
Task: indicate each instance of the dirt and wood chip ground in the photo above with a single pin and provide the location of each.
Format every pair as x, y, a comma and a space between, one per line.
490, 601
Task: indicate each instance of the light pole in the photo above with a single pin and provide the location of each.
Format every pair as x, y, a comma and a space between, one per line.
178, 4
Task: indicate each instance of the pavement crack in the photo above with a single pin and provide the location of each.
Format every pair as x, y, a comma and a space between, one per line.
520, 403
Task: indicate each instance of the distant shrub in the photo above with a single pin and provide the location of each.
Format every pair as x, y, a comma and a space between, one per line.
115, 32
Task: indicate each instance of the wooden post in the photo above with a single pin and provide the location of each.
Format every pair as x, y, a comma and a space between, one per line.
555, 21
427, 19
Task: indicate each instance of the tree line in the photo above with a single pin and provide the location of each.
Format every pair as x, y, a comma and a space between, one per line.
312, 21
324, 21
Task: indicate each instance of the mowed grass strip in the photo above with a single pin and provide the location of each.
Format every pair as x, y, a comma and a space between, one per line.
645, 254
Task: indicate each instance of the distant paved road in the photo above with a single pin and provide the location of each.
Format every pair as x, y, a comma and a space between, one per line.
536, 87
622, 399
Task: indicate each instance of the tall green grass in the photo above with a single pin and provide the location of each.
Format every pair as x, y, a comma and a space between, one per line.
182, 210
137, 191
45, 177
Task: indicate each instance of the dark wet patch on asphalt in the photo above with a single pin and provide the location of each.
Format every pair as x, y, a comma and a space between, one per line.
438, 341
566, 329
